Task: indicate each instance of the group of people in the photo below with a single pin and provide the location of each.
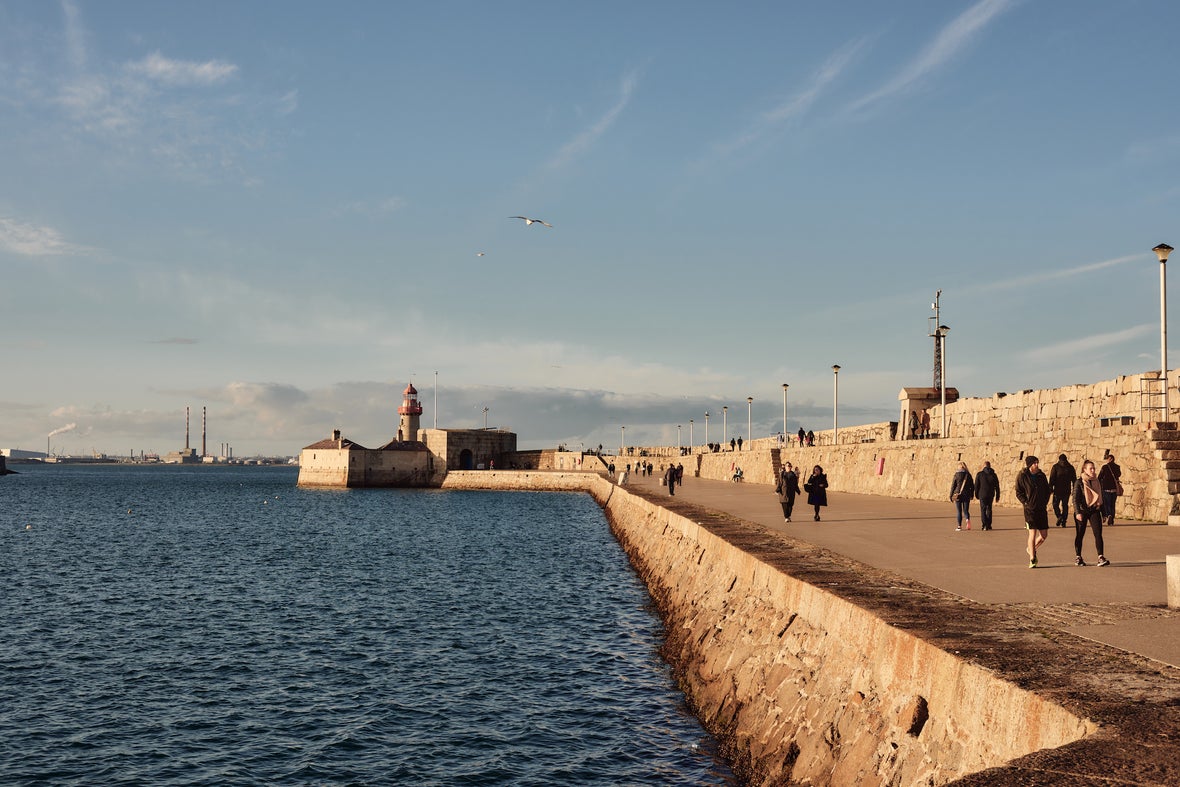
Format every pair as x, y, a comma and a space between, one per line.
1094, 493
919, 425
672, 476
787, 488
805, 438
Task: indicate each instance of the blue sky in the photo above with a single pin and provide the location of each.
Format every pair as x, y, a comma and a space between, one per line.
275, 211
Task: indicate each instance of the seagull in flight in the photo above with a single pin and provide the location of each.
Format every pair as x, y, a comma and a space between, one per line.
529, 222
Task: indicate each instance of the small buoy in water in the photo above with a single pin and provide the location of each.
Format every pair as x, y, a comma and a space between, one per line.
264, 502
28, 527
128, 510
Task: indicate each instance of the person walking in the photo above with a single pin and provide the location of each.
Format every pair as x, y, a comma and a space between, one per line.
816, 488
1062, 478
1108, 479
1087, 505
987, 491
787, 488
670, 479
962, 490
915, 426
802, 436
1033, 492
925, 428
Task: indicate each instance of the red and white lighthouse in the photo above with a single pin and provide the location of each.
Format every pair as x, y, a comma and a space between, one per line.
408, 415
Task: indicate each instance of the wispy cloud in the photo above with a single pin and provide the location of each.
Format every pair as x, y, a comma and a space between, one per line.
182, 72
1044, 276
75, 35
1088, 344
800, 103
586, 139
950, 41
30, 240
175, 340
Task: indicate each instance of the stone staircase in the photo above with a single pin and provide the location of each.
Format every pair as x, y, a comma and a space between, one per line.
1165, 440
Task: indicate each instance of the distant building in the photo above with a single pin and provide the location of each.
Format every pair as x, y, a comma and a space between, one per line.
416, 457
20, 455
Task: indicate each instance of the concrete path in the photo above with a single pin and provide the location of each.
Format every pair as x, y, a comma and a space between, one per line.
1123, 605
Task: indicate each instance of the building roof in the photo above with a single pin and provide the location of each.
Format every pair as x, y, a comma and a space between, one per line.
343, 442
411, 390
404, 445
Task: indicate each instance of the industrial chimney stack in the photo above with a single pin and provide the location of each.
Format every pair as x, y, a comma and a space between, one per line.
203, 414
186, 429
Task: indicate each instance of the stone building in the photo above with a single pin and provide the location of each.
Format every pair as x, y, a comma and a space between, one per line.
416, 457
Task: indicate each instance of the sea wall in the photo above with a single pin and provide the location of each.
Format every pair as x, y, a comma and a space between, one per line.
799, 684
1080, 421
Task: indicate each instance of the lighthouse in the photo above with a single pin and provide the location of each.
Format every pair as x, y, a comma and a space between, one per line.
408, 415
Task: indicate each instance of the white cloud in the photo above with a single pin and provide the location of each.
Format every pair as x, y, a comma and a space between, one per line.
34, 241
1088, 344
1043, 276
182, 72
949, 42
800, 103
586, 139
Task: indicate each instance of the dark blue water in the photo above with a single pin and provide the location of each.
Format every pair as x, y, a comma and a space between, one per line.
200, 625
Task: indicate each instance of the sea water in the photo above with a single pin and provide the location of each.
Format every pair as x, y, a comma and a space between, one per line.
168, 625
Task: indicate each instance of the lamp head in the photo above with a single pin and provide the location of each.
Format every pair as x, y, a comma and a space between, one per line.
1162, 251
835, 368
749, 400
785, 386
943, 330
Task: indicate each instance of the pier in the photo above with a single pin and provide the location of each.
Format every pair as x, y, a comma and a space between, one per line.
918, 650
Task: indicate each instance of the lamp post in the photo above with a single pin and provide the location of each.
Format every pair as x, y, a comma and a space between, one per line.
690, 442
677, 437
622, 440
749, 408
835, 404
785, 435
1162, 251
724, 422
942, 332
706, 426
485, 418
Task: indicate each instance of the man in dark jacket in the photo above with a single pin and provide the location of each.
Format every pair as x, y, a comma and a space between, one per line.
987, 490
787, 488
1062, 477
1033, 492
1108, 479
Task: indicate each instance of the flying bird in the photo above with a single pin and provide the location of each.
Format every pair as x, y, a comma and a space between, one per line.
479, 254
529, 222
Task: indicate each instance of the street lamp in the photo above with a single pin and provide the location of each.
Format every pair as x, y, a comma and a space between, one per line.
785, 435
724, 422
1162, 251
622, 440
690, 442
942, 332
835, 404
677, 437
749, 408
706, 426
485, 418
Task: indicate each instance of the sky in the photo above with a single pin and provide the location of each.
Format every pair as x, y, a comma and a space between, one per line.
285, 212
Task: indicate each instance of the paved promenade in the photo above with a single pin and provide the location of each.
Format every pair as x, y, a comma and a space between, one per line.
1123, 605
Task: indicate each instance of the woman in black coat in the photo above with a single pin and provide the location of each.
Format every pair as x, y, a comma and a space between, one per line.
817, 489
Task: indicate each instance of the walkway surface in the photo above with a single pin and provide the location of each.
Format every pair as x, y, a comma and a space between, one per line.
1123, 605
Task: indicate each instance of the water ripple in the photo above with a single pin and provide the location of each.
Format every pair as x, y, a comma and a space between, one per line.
219, 626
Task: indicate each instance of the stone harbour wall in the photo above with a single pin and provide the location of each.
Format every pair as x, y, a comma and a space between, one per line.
800, 685
804, 687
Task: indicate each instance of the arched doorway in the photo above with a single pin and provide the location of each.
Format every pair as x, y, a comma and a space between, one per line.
466, 460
